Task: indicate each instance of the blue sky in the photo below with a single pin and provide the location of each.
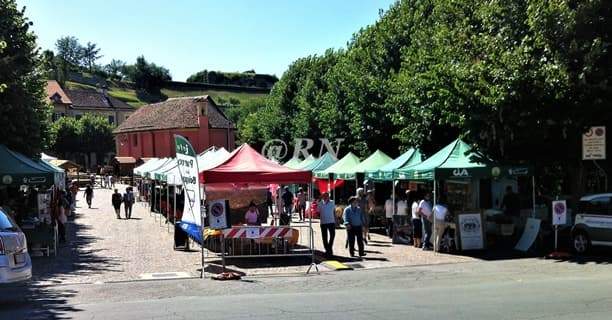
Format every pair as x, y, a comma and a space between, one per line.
188, 36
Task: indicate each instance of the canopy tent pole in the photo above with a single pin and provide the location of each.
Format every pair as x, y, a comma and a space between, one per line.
202, 275
174, 204
533, 186
435, 196
168, 209
311, 231
393, 196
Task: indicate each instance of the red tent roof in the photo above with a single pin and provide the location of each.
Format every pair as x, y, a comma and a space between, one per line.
248, 166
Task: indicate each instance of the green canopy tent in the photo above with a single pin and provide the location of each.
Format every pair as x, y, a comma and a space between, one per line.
375, 161
458, 161
292, 163
18, 169
59, 175
341, 169
310, 159
322, 163
385, 173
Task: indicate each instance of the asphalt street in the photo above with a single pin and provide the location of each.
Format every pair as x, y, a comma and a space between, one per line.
511, 289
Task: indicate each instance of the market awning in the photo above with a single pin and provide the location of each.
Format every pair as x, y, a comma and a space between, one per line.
65, 164
385, 173
343, 167
248, 166
17, 169
141, 169
310, 159
292, 163
373, 162
322, 163
457, 160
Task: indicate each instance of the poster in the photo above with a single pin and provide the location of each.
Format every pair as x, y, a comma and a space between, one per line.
218, 214
559, 212
188, 169
252, 232
594, 144
470, 231
44, 205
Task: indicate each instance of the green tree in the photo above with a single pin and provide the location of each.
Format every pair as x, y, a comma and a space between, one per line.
70, 50
147, 76
115, 69
66, 135
90, 54
89, 134
24, 115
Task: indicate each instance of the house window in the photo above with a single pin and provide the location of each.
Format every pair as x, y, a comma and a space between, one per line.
135, 140
111, 119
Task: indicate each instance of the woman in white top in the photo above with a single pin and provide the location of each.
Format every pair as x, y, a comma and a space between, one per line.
440, 211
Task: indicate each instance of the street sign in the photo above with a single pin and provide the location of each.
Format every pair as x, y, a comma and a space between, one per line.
218, 214
559, 212
594, 144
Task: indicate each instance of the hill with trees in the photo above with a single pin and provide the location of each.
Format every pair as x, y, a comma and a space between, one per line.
246, 79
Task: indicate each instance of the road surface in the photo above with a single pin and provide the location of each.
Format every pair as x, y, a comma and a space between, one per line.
511, 289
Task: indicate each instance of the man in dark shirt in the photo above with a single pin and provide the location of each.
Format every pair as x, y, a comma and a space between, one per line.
287, 203
511, 204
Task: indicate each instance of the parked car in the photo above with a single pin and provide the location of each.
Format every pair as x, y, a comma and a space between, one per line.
593, 223
15, 263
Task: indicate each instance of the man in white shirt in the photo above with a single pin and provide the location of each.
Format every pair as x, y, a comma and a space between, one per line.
327, 212
389, 215
440, 211
417, 225
426, 218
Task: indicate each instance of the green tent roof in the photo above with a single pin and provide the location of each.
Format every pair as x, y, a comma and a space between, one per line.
375, 161
385, 173
324, 162
310, 159
292, 163
18, 169
341, 169
457, 160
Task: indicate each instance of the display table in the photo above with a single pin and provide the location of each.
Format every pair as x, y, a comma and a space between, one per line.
43, 235
252, 240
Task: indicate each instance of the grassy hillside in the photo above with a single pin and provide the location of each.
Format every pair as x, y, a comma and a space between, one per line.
124, 92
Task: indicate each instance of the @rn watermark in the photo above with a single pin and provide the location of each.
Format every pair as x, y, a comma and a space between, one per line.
277, 149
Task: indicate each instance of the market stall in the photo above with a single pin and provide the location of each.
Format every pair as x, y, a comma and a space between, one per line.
28, 194
242, 169
458, 171
333, 176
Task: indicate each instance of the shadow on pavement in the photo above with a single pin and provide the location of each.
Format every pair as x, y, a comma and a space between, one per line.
36, 302
73, 257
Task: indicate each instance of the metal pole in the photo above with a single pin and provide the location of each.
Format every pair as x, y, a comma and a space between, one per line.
160, 200
435, 195
393, 196
167, 204
222, 251
202, 236
174, 204
533, 184
312, 249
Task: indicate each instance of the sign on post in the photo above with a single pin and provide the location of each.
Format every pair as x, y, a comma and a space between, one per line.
218, 214
594, 144
559, 212
188, 169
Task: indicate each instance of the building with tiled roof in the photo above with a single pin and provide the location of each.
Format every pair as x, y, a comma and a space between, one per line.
76, 103
149, 131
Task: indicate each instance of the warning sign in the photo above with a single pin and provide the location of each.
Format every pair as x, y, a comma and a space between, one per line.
594, 144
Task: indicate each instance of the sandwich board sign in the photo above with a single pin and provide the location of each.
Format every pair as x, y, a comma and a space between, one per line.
594, 144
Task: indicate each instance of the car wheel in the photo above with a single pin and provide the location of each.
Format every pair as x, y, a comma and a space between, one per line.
581, 243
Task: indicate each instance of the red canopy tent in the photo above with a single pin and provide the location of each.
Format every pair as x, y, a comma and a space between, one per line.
248, 166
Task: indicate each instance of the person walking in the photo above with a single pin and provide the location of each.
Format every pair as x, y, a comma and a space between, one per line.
440, 211
327, 214
89, 194
426, 219
128, 201
287, 198
301, 203
353, 221
417, 225
116, 200
112, 181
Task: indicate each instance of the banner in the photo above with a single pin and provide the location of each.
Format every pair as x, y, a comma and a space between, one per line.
188, 170
594, 144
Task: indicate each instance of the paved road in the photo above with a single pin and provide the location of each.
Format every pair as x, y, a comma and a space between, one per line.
511, 289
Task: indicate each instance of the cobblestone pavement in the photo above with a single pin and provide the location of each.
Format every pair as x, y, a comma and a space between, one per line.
102, 248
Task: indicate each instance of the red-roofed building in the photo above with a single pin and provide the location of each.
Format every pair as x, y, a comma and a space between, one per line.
149, 132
